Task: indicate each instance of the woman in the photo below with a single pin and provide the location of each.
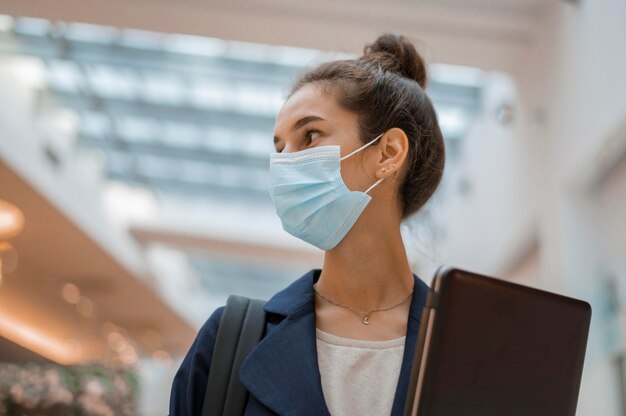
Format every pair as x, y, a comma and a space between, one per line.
358, 149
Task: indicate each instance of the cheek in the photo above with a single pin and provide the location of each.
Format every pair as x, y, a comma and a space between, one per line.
354, 174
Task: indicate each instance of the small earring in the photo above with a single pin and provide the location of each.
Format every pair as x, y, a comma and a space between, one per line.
384, 169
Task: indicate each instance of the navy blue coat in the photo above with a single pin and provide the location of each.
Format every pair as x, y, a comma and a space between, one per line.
281, 372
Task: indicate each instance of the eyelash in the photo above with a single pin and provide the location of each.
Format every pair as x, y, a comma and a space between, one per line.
306, 135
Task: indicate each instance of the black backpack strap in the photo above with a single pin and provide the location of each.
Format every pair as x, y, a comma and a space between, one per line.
241, 327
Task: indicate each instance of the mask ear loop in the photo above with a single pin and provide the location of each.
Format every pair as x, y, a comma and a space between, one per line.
358, 150
372, 187
362, 147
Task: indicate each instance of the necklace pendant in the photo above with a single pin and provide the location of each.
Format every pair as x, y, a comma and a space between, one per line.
366, 319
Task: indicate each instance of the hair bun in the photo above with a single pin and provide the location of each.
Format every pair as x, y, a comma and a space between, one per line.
397, 54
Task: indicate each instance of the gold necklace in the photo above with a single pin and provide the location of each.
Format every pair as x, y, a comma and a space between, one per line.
365, 315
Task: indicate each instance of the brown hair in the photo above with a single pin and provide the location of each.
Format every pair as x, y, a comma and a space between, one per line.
385, 88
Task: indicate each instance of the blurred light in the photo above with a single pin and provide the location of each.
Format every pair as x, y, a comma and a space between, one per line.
71, 293
125, 203
195, 45
84, 32
454, 122
23, 334
112, 82
67, 121
457, 75
85, 307
29, 71
63, 76
11, 220
8, 259
282, 55
6, 23
108, 327
141, 39
32, 26
162, 356
128, 355
116, 340
287, 55
137, 129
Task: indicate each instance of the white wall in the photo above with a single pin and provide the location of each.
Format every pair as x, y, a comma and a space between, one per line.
588, 106
490, 223
543, 179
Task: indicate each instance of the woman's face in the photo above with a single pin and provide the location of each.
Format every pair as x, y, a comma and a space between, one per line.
311, 118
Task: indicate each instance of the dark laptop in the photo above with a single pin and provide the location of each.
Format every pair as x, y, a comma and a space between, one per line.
491, 347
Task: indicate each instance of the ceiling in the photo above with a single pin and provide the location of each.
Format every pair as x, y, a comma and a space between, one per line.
53, 251
180, 114
490, 34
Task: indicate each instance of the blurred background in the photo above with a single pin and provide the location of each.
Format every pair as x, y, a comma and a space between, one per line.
134, 143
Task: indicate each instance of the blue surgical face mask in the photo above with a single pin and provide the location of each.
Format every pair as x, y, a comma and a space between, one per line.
310, 197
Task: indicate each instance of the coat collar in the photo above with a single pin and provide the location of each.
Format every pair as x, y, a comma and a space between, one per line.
282, 371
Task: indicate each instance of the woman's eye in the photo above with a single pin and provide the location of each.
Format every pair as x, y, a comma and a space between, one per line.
312, 134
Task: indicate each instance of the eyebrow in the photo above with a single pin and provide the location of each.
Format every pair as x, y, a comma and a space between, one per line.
301, 123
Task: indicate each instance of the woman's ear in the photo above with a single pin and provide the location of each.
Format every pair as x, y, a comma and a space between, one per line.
394, 147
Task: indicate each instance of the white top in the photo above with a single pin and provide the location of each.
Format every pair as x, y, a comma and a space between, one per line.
359, 377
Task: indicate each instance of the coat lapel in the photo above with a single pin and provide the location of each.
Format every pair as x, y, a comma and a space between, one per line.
415, 314
282, 370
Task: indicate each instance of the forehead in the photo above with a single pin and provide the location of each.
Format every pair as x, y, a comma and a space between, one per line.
310, 100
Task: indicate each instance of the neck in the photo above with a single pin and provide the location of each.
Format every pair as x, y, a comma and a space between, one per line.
368, 269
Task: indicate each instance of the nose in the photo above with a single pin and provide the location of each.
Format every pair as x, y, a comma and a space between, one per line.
290, 147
